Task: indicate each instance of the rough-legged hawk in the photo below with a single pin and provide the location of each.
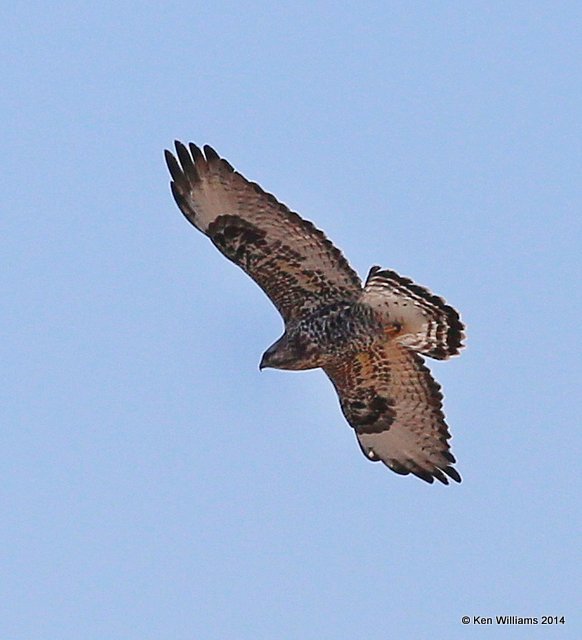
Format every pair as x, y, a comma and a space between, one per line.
368, 339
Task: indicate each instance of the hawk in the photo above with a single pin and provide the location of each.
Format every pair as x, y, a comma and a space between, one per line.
369, 339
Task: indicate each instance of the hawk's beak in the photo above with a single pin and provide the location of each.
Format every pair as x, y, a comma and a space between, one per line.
262, 363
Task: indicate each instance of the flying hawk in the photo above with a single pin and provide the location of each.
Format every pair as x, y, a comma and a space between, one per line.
368, 339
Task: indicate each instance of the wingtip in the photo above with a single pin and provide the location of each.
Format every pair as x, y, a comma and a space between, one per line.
453, 474
195, 151
181, 148
173, 166
167, 155
185, 158
425, 475
210, 153
438, 474
449, 456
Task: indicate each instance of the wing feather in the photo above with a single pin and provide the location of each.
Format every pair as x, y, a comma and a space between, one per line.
389, 397
288, 257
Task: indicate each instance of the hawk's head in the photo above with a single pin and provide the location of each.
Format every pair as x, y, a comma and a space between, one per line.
292, 351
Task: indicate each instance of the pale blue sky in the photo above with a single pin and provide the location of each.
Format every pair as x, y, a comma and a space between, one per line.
155, 485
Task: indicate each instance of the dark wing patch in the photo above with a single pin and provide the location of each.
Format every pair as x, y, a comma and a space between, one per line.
289, 258
389, 397
427, 324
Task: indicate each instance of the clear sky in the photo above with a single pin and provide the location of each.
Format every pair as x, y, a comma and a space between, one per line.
154, 484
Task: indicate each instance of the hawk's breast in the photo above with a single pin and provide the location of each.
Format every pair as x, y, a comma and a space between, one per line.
341, 328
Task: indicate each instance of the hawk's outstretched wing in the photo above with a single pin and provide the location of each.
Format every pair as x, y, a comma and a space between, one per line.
395, 407
288, 257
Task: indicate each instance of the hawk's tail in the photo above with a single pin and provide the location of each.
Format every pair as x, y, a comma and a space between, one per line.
417, 318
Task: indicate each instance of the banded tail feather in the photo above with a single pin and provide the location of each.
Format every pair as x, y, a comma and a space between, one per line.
427, 324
